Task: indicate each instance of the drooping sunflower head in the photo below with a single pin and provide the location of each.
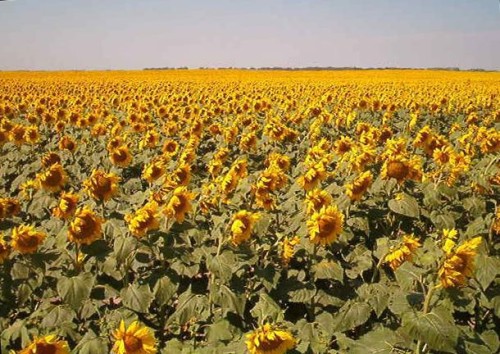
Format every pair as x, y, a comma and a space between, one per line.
316, 199
270, 339
134, 339
9, 207
67, 205
359, 186
459, 264
4, 249
288, 248
154, 170
143, 220
46, 345
397, 256
53, 179
242, 225
26, 239
325, 225
179, 204
86, 227
313, 176
50, 159
101, 186
67, 143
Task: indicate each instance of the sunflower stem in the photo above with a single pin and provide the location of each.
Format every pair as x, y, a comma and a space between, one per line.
425, 310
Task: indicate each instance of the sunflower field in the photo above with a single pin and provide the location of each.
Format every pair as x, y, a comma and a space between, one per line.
261, 212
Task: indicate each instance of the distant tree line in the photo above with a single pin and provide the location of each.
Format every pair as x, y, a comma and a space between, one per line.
316, 68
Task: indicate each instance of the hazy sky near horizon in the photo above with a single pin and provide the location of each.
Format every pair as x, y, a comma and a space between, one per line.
134, 34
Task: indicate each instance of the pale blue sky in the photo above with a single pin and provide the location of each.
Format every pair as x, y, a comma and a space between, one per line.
133, 34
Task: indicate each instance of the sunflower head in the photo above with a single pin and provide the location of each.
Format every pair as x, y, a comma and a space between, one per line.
270, 339
9, 207
4, 249
316, 199
46, 345
67, 206
120, 156
325, 225
242, 225
26, 239
134, 339
86, 227
143, 220
179, 204
154, 170
459, 264
359, 186
53, 179
102, 186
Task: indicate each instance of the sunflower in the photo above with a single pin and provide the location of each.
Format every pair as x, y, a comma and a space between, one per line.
4, 249
313, 176
143, 220
120, 156
154, 170
404, 253
67, 206
269, 339
459, 264
325, 225
50, 158
53, 179
86, 227
401, 169
179, 177
32, 134
134, 339
316, 199
18, 134
359, 186
242, 225
288, 248
26, 239
9, 207
101, 185
46, 345
67, 143
4, 137
179, 204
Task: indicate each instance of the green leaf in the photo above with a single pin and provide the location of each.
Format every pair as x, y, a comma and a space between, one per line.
56, 316
164, 290
376, 295
75, 290
137, 297
435, 328
91, 344
232, 301
328, 270
490, 337
379, 341
267, 308
220, 331
124, 247
407, 206
442, 221
351, 315
487, 269
221, 265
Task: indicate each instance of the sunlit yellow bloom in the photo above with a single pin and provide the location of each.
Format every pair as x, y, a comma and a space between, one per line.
325, 225
317, 199
179, 204
359, 186
86, 227
404, 253
143, 220
242, 224
120, 156
134, 339
47, 345
313, 176
154, 170
269, 339
459, 264
101, 186
67, 205
53, 179
26, 239
288, 248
